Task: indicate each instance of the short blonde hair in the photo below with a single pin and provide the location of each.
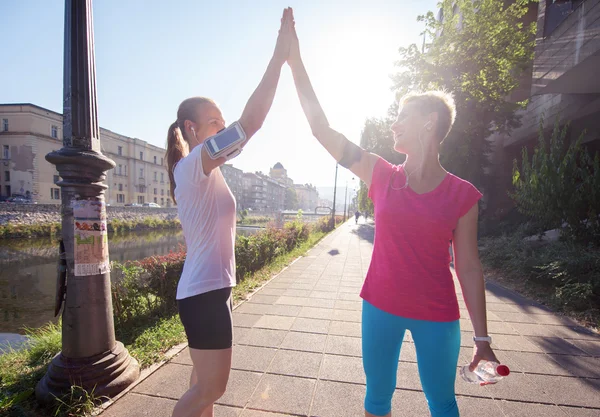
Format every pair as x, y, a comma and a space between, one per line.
435, 101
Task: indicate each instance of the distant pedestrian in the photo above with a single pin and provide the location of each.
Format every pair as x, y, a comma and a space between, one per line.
419, 208
356, 216
207, 212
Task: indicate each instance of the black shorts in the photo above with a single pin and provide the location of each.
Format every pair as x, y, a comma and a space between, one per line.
207, 319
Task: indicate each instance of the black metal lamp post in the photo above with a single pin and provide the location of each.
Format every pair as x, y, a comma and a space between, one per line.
91, 358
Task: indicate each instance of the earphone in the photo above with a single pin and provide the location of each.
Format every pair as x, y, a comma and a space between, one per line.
408, 174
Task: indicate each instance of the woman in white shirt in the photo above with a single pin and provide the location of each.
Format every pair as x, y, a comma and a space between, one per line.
207, 212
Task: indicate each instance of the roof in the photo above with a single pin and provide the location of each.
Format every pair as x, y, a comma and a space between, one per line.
278, 166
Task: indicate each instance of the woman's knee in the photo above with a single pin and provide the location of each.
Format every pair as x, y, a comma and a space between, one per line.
209, 393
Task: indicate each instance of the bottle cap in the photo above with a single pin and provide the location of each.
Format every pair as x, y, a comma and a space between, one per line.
502, 370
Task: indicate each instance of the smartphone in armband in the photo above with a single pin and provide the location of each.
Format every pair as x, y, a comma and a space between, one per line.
227, 143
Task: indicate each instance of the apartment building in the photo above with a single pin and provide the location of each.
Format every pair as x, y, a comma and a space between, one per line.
29, 132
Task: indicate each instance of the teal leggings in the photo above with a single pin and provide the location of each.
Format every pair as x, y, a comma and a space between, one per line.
437, 345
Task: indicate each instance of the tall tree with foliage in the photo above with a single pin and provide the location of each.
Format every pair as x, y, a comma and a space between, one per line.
479, 50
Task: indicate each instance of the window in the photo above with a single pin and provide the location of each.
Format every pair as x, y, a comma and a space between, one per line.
55, 132
140, 199
125, 170
162, 177
6, 176
162, 162
556, 12
141, 188
162, 191
120, 187
155, 191
141, 172
155, 159
7, 189
56, 179
55, 193
162, 201
156, 200
5, 151
142, 156
120, 150
120, 198
155, 176
120, 171
5, 125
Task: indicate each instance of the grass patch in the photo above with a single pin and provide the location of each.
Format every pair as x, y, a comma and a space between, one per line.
562, 275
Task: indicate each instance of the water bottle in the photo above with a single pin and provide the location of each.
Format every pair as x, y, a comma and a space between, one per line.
487, 372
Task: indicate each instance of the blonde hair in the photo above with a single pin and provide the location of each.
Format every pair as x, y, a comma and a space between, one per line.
177, 144
435, 101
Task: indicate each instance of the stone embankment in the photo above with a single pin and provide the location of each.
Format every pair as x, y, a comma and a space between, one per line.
30, 214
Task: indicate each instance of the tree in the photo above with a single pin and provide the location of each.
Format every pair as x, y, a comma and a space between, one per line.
291, 199
559, 186
479, 51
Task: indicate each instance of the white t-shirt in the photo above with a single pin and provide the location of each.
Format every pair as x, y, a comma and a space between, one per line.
207, 213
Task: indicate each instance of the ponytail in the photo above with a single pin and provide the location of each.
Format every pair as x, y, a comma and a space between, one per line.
177, 145
177, 149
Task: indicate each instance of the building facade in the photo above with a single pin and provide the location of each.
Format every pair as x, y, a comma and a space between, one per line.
29, 132
234, 178
563, 84
308, 196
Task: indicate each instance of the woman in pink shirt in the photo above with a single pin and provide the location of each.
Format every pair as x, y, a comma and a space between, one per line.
419, 209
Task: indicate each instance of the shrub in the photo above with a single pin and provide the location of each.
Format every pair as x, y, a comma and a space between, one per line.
560, 186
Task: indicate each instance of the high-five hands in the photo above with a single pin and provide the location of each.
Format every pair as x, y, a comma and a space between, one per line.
284, 39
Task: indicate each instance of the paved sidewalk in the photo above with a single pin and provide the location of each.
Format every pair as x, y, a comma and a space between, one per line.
298, 351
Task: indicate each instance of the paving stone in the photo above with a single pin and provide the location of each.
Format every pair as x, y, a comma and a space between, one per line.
328, 295
345, 328
172, 381
275, 322
272, 291
342, 369
478, 407
245, 320
240, 387
515, 317
239, 333
510, 342
183, 358
347, 315
406, 403
263, 337
349, 297
336, 399
303, 324
292, 301
407, 376
320, 302
521, 387
562, 390
316, 313
307, 287
283, 394
252, 358
519, 409
257, 413
537, 363
498, 307
590, 347
556, 345
309, 342
580, 412
134, 404
295, 363
578, 365
408, 353
348, 305
250, 308
283, 310
343, 345
297, 293
260, 298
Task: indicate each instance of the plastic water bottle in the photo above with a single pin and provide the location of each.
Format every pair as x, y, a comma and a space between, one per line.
487, 372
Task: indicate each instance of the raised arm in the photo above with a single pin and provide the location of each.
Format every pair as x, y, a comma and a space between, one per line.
347, 153
260, 101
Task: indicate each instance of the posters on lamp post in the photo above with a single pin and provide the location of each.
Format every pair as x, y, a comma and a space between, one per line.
91, 237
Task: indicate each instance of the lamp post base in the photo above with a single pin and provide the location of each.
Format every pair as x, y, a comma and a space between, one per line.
106, 374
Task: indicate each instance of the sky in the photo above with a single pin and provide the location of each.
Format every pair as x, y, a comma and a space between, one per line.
152, 54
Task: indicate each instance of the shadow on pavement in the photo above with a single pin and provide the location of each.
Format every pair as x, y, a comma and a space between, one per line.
365, 231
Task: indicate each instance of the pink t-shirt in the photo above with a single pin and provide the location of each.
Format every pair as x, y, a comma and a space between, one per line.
409, 275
